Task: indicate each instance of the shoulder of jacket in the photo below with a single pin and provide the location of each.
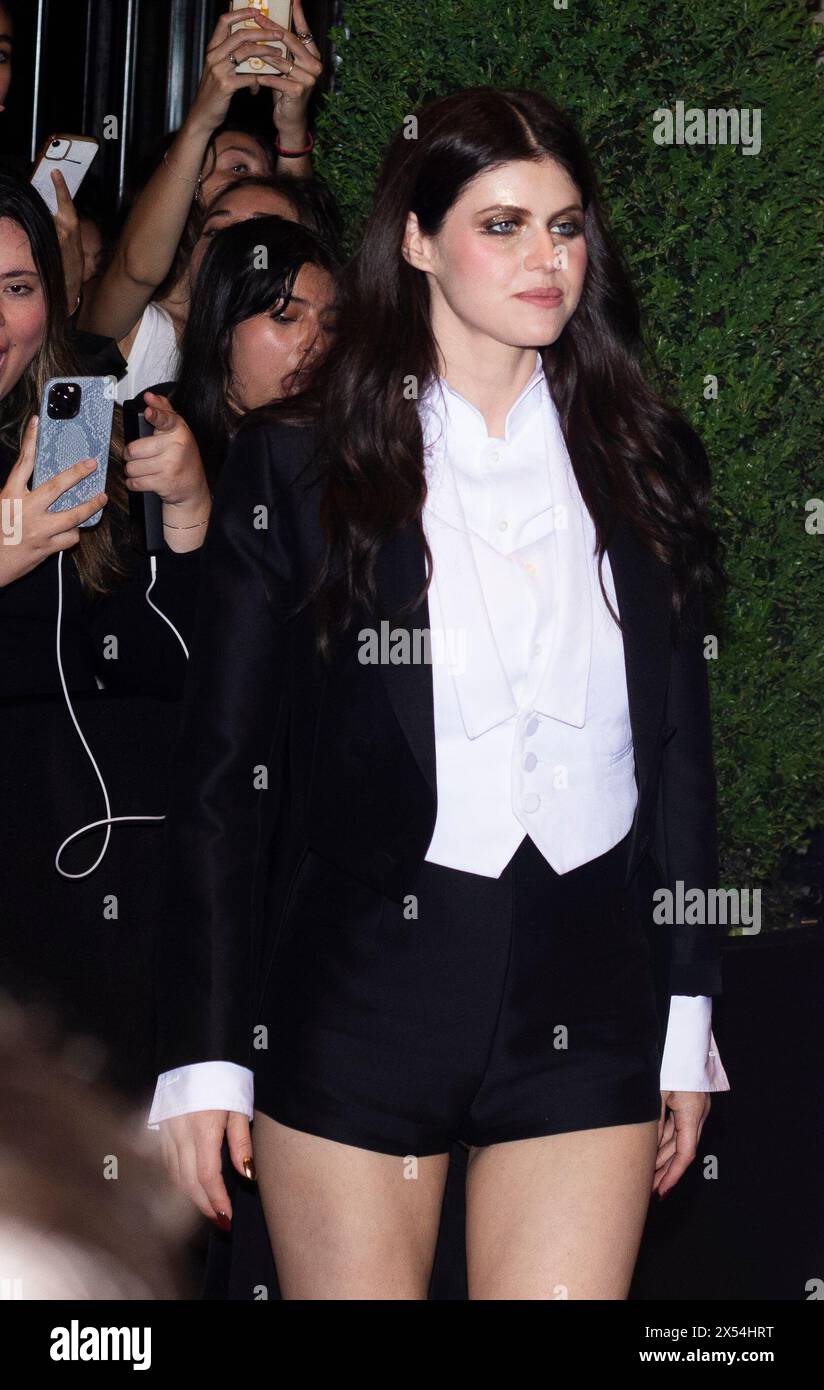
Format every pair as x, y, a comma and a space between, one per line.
285, 450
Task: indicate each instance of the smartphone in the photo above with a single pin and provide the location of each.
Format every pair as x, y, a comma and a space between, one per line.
75, 423
278, 10
73, 155
145, 508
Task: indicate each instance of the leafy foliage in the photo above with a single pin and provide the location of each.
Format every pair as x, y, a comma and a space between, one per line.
725, 249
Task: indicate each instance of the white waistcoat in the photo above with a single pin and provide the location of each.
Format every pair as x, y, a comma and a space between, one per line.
532, 731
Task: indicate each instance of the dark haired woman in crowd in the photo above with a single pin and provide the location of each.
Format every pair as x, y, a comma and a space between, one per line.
143, 299
261, 316
446, 732
79, 942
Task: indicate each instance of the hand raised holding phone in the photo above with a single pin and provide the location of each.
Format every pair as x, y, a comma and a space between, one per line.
228, 47
29, 532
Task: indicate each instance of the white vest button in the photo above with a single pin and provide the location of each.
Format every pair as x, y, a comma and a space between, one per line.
531, 802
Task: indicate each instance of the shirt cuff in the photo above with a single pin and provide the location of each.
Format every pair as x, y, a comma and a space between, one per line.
691, 1061
203, 1086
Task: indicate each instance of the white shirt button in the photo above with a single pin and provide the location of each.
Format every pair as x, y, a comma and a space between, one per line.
537, 648
530, 762
494, 456
531, 802
532, 725
503, 525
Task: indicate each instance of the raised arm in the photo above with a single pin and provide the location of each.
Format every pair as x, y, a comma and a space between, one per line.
293, 91
146, 250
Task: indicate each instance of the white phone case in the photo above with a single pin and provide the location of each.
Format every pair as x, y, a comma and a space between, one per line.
73, 156
278, 10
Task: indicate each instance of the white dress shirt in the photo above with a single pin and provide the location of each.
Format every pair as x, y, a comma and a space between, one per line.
532, 730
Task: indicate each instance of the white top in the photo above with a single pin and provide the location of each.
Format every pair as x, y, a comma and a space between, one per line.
154, 357
532, 731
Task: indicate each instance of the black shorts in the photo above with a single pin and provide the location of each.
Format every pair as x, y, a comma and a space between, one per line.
481, 1010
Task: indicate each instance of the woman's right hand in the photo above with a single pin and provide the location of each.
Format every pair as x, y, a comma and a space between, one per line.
192, 1152
220, 81
29, 532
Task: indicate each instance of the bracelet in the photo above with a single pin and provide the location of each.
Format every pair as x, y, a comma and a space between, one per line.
295, 154
175, 174
168, 525
194, 524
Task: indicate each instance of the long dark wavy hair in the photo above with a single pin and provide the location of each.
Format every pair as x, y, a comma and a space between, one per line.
97, 556
235, 283
633, 453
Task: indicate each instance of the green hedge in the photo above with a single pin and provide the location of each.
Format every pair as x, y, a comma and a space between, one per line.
726, 253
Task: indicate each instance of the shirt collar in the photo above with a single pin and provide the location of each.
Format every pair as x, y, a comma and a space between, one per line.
440, 401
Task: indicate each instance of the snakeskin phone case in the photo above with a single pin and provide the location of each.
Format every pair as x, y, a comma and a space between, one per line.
75, 423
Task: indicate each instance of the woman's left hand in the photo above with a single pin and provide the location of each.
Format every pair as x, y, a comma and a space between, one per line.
678, 1135
67, 226
167, 462
293, 93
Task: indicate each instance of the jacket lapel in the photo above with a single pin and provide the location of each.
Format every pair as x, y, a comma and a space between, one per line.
642, 588
643, 591
400, 573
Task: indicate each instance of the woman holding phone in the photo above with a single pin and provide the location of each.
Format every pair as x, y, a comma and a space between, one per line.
446, 732
142, 300
122, 665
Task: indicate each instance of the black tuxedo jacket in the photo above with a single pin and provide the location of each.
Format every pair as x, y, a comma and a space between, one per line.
287, 770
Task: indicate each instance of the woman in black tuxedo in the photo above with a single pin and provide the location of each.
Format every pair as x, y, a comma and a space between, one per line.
410, 896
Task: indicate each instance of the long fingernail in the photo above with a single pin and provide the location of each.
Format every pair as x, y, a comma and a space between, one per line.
223, 1221
249, 1168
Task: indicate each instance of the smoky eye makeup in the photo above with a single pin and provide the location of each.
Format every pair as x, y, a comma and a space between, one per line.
502, 221
573, 222
496, 224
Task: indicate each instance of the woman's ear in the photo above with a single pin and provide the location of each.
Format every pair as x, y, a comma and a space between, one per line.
415, 245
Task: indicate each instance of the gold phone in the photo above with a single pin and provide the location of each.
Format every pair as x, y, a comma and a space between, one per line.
278, 10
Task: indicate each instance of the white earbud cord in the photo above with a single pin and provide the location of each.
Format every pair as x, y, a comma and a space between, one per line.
108, 820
